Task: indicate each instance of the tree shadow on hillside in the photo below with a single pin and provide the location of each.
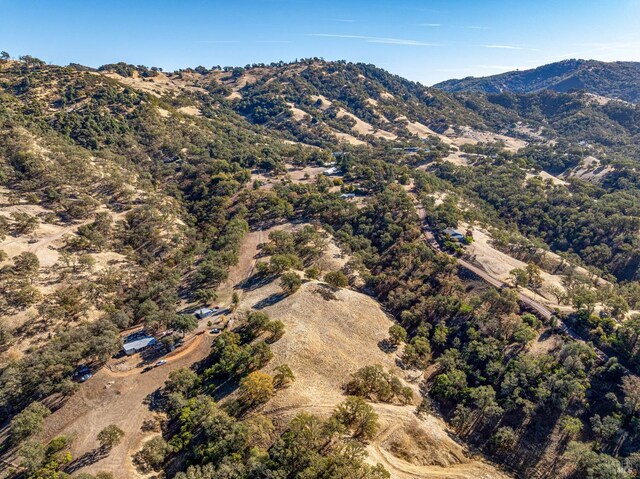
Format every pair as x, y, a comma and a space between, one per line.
87, 459
269, 300
255, 281
327, 292
387, 346
155, 400
224, 389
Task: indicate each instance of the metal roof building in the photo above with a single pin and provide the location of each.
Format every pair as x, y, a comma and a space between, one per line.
133, 347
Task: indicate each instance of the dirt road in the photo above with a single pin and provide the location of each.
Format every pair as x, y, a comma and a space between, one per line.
121, 399
540, 308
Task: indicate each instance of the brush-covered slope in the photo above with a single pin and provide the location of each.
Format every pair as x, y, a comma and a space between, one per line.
613, 80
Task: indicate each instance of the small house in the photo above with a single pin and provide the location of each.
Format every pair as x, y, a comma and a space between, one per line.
346, 196
331, 171
204, 313
138, 345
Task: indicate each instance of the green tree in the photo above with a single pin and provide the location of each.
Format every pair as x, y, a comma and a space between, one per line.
183, 323
570, 427
617, 307
417, 354
631, 389
440, 334
504, 439
24, 223
32, 455
336, 279
283, 376
519, 278
275, 330
290, 282
26, 264
182, 381
534, 276
280, 263
152, 454
358, 417
256, 388
397, 335
584, 299
110, 436
312, 273
28, 422
206, 295
257, 322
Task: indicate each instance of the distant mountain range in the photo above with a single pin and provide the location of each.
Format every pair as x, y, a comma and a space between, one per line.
619, 80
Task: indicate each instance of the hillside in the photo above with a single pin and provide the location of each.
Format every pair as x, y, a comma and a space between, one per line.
620, 80
309, 204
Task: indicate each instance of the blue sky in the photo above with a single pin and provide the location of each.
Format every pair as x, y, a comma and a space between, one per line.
426, 41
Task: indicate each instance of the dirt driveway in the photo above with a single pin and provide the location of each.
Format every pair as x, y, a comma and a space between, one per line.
119, 398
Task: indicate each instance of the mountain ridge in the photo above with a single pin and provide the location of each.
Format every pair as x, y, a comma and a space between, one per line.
618, 80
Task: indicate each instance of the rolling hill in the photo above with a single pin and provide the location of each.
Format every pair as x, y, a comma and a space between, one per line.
305, 198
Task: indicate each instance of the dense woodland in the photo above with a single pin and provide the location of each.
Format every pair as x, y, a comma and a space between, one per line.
92, 147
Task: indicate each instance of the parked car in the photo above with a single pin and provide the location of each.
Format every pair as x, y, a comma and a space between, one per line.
162, 362
82, 373
215, 331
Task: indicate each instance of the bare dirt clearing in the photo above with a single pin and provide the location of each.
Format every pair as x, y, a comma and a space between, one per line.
363, 128
468, 135
547, 176
590, 169
499, 265
120, 399
352, 140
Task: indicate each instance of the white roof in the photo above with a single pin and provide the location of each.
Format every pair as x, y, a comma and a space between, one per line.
139, 344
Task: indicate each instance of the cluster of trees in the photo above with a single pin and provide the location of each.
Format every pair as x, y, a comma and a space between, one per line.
309, 446
596, 225
90, 143
53, 459
376, 384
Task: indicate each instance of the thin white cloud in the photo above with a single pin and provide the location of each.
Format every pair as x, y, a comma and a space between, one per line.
343, 20
219, 41
510, 47
368, 39
429, 24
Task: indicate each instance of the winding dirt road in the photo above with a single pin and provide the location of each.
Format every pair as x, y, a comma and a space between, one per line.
540, 308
